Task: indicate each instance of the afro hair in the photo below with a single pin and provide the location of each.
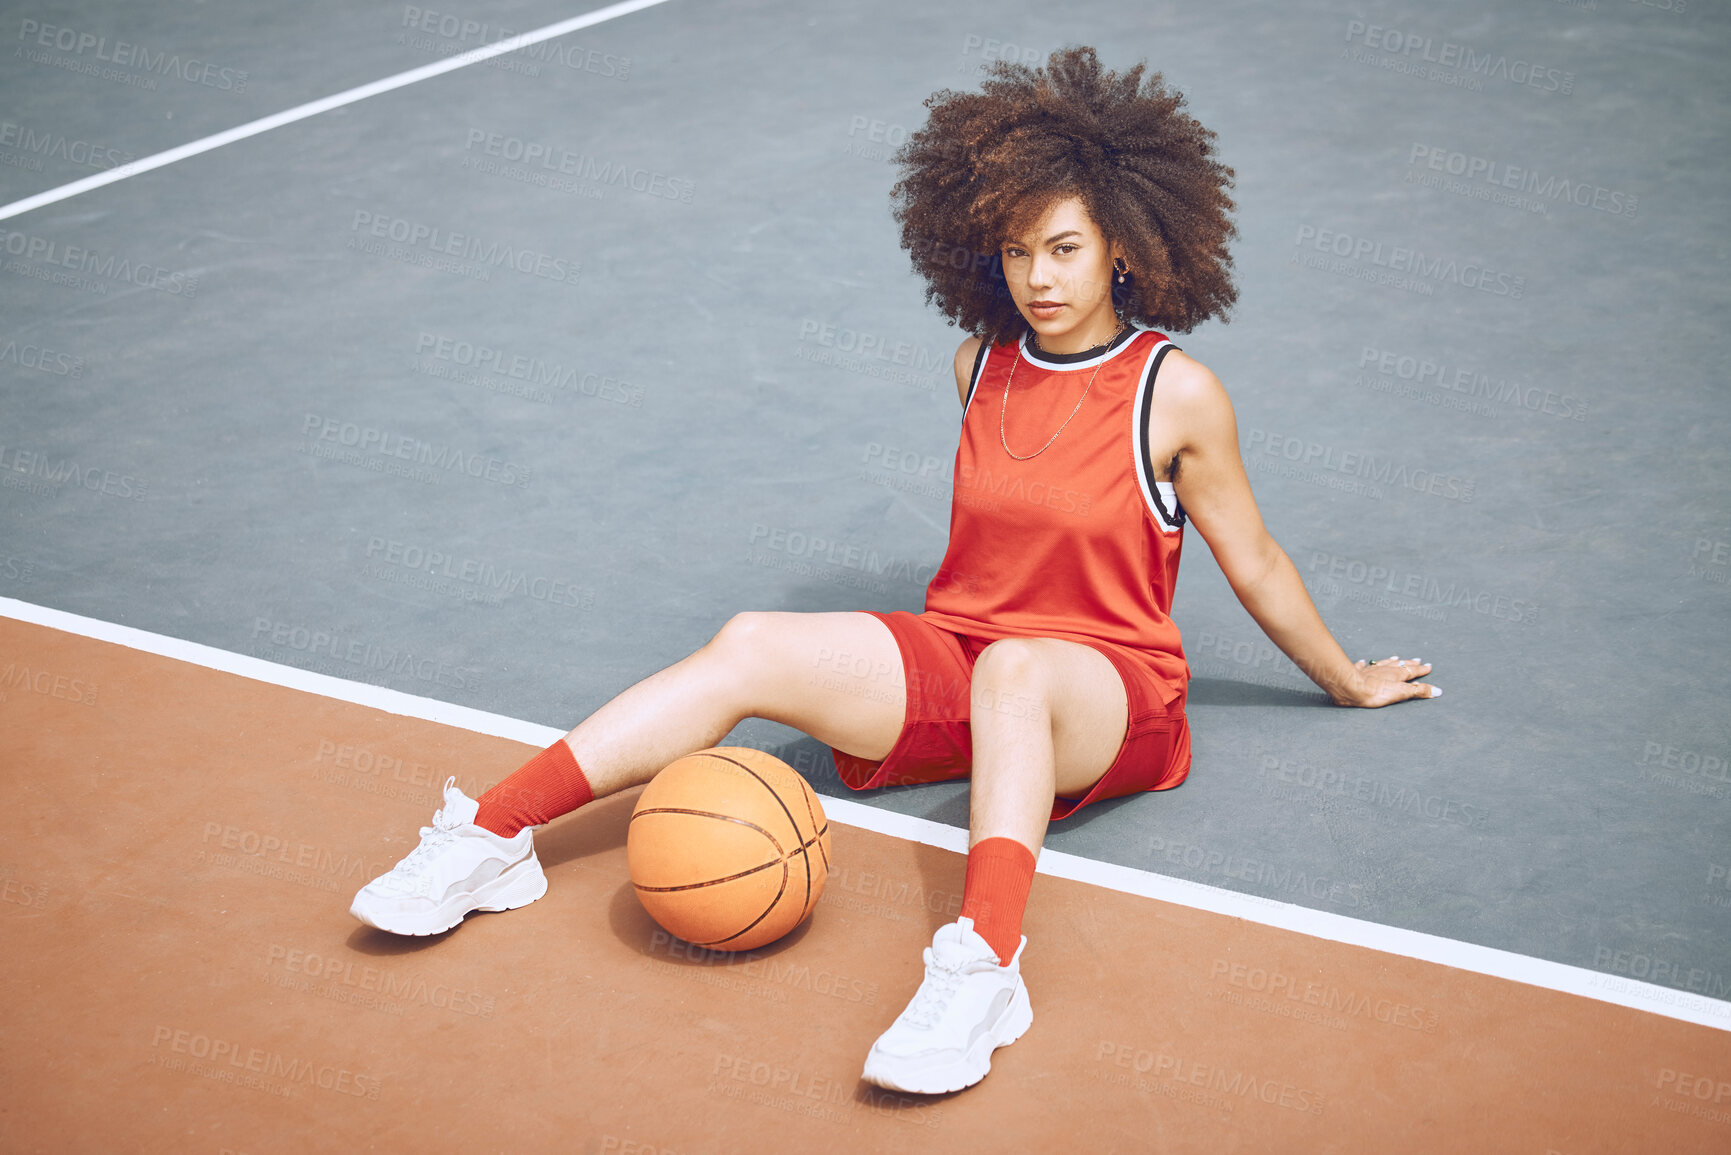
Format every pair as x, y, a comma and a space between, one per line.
988, 165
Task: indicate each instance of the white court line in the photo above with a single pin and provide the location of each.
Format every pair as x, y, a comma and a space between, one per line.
313, 108
1640, 996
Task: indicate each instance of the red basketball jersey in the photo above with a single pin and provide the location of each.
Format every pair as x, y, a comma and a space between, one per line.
1079, 541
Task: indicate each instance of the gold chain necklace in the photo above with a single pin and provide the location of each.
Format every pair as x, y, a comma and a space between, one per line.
1006, 406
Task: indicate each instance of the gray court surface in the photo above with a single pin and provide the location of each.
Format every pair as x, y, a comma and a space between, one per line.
634, 299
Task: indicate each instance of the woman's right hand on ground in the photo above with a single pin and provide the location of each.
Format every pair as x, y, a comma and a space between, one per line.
1389, 680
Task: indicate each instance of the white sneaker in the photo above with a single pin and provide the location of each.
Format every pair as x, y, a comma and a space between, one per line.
967, 1007
457, 868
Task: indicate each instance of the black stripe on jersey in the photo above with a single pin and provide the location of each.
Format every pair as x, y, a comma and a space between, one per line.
1144, 460
1038, 356
974, 373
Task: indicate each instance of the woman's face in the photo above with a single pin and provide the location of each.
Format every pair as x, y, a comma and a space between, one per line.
1060, 275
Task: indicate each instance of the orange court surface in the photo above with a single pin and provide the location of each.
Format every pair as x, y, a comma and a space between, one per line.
182, 975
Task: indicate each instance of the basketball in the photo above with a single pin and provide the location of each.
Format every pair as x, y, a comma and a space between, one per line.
728, 848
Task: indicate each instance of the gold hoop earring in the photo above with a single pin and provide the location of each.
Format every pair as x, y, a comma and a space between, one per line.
1121, 267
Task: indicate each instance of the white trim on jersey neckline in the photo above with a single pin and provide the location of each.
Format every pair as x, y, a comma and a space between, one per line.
1033, 357
1043, 360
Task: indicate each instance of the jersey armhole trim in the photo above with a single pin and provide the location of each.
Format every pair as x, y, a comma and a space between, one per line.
1169, 522
975, 374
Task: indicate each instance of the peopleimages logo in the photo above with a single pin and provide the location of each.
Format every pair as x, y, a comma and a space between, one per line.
336, 645
52, 472
1405, 259
464, 246
559, 50
57, 146
543, 380
871, 345
1412, 48
86, 260
42, 359
1473, 384
367, 439
1375, 579
127, 55
815, 547
480, 575
1355, 464
558, 159
248, 1064
1498, 175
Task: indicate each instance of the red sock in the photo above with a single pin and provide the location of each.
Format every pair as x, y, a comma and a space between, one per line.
995, 892
546, 786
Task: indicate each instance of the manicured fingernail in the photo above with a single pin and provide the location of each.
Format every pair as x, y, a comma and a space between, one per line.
1436, 691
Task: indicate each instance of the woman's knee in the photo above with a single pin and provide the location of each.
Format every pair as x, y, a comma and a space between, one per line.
836, 675
1010, 660
741, 645
1009, 678
756, 652
740, 632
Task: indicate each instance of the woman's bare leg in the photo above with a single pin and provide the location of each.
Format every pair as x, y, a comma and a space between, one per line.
836, 676
1047, 716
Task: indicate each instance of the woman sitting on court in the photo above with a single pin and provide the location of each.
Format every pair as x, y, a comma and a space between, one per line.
1063, 216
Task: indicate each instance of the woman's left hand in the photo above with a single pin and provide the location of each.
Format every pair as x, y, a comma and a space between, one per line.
1387, 680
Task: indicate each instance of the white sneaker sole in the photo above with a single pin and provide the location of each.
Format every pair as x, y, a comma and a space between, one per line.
909, 1073
519, 885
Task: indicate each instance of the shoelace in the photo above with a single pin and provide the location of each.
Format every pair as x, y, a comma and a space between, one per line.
943, 976
409, 876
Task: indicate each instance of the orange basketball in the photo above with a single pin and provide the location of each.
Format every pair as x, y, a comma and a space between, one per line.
728, 848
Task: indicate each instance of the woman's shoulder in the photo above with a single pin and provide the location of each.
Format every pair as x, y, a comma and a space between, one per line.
1186, 386
966, 351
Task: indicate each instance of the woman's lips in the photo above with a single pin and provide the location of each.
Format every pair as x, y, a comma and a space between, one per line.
1045, 310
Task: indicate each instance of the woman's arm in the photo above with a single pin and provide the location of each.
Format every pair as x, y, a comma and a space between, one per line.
1216, 495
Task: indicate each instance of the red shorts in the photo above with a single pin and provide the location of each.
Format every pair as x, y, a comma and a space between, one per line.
936, 743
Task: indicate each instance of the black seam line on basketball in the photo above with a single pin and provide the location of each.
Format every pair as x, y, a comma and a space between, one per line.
766, 911
817, 841
773, 840
805, 852
791, 821
726, 818
708, 882
773, 903
817, 837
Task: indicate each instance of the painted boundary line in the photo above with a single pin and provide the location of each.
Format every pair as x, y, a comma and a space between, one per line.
313, 108
1640, 996
276, 674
